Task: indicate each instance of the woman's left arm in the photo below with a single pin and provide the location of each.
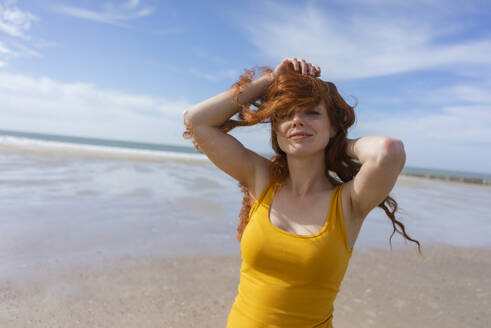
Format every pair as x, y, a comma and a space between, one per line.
382, 160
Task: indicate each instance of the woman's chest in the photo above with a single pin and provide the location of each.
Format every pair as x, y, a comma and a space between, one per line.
300, 217
285, 256
309, 216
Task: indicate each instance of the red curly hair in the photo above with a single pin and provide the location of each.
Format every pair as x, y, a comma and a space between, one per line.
288, 91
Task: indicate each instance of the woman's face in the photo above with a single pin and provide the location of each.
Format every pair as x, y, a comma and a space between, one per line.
305, 132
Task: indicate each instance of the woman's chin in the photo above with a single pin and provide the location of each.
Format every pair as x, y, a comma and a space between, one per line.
302, 151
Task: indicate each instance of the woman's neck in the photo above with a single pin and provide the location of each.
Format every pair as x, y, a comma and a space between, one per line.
307, 175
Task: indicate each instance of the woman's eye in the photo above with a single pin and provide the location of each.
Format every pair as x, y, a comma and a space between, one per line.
314, 112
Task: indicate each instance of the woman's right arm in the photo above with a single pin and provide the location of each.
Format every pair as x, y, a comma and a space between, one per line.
218, 109
225, 151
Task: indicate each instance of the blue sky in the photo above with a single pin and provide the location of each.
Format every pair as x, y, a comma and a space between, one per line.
420, 70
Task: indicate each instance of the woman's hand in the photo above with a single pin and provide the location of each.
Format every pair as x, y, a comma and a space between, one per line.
299, 65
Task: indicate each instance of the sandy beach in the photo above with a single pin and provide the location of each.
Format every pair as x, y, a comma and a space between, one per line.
448, 287
111, 243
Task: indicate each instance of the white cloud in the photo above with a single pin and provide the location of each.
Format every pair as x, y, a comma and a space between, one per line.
355, 39
361, 44
462, 92
130, 4
462, 124
14, 21
23, 50
145, 12
4, 50
89, 15
455, 137
16, 49
45, 105
109, 13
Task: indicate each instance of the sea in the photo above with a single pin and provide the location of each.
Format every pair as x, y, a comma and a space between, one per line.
69, 200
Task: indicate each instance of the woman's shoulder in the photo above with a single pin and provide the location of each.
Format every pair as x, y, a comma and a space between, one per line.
261, 180
348, 208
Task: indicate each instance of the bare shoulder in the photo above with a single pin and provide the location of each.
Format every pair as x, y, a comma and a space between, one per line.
349, 211
352, 220
261, 176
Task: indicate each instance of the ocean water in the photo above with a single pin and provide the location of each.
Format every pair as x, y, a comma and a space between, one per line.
66, 203
36, 142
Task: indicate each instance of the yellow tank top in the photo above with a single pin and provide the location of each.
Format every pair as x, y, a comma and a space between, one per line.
289, 280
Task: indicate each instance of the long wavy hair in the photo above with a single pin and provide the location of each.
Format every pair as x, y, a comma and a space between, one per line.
288, 91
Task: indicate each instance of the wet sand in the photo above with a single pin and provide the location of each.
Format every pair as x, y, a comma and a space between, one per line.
449, 287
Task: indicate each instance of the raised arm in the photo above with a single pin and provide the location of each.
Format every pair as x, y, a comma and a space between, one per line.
217, 110
225, 151
382, 160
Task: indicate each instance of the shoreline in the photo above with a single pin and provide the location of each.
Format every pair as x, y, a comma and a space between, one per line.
450, 179
105, 226
448, 287
123, 150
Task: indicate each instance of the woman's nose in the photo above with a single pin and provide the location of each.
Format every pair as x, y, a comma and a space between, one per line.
297, 119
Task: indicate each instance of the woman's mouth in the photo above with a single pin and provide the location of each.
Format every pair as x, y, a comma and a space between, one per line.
299, 137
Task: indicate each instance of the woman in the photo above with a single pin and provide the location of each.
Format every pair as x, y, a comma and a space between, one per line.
299, 223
